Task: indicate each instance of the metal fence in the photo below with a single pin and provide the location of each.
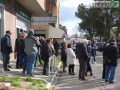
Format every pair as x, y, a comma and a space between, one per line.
51, 61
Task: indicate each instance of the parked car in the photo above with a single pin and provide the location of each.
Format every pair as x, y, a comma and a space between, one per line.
101, 46
97, 45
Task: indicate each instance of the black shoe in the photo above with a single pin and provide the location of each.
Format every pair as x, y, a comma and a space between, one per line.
35, 65
23, 72
9, 67
41, 63
17, 67
111, 82
103, 78
64, 71
21, 67
45, 74
6, 69
72, 73
69, 73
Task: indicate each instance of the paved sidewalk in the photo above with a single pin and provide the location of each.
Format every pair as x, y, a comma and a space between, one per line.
95, 82
37, 71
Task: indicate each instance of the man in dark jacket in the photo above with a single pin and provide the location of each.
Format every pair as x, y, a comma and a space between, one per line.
56, 46
47, 53
7, 49
23, 58
64, 56
111, 51
18, 65
31, 43
82, 57
3, 52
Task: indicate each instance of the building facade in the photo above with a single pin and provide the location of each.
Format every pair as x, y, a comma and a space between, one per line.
48, 26
15, 15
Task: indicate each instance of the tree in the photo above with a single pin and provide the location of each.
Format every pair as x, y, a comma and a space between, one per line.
87, 36
94, 19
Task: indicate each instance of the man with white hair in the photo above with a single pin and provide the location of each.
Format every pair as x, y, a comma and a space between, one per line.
31, 43
83, 58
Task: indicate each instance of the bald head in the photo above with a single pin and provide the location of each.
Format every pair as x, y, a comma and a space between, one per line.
31, 31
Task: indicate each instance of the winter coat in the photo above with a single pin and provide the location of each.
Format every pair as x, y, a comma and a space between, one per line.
63, 55
113, 53
2, 44
7, 46
30, 44
21, 43
71, 58
16, 44
47, 52
56, 45
82, 52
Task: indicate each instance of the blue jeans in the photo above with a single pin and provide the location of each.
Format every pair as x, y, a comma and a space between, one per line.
112, 74
23, 58
94, 54
31, 62
40, 59
4, 59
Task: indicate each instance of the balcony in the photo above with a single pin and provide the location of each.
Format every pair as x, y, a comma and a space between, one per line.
34, 6
45, 19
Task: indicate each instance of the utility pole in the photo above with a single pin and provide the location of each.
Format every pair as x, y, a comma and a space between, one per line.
104, 31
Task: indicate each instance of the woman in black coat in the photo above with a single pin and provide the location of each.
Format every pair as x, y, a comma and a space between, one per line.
64, 56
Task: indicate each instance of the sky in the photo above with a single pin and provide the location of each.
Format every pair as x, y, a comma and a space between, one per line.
67, 14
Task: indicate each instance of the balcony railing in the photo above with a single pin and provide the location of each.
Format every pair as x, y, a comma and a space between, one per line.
45, 19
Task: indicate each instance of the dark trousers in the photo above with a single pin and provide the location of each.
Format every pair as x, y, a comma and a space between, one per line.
64, 65
71, 68
45, 68
88, 66
103, 75
18, 62
56, 53
7, 58
82, 69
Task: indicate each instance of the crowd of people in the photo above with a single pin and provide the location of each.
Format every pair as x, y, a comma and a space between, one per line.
84, 51
28, 49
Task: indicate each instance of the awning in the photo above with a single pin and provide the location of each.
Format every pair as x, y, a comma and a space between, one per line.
34, 6
55, 32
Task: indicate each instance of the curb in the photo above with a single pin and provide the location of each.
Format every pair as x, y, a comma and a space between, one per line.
53, 78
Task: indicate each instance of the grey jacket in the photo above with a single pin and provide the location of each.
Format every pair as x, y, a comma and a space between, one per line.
30, 44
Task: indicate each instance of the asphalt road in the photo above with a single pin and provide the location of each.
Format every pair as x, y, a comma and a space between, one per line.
95, 82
